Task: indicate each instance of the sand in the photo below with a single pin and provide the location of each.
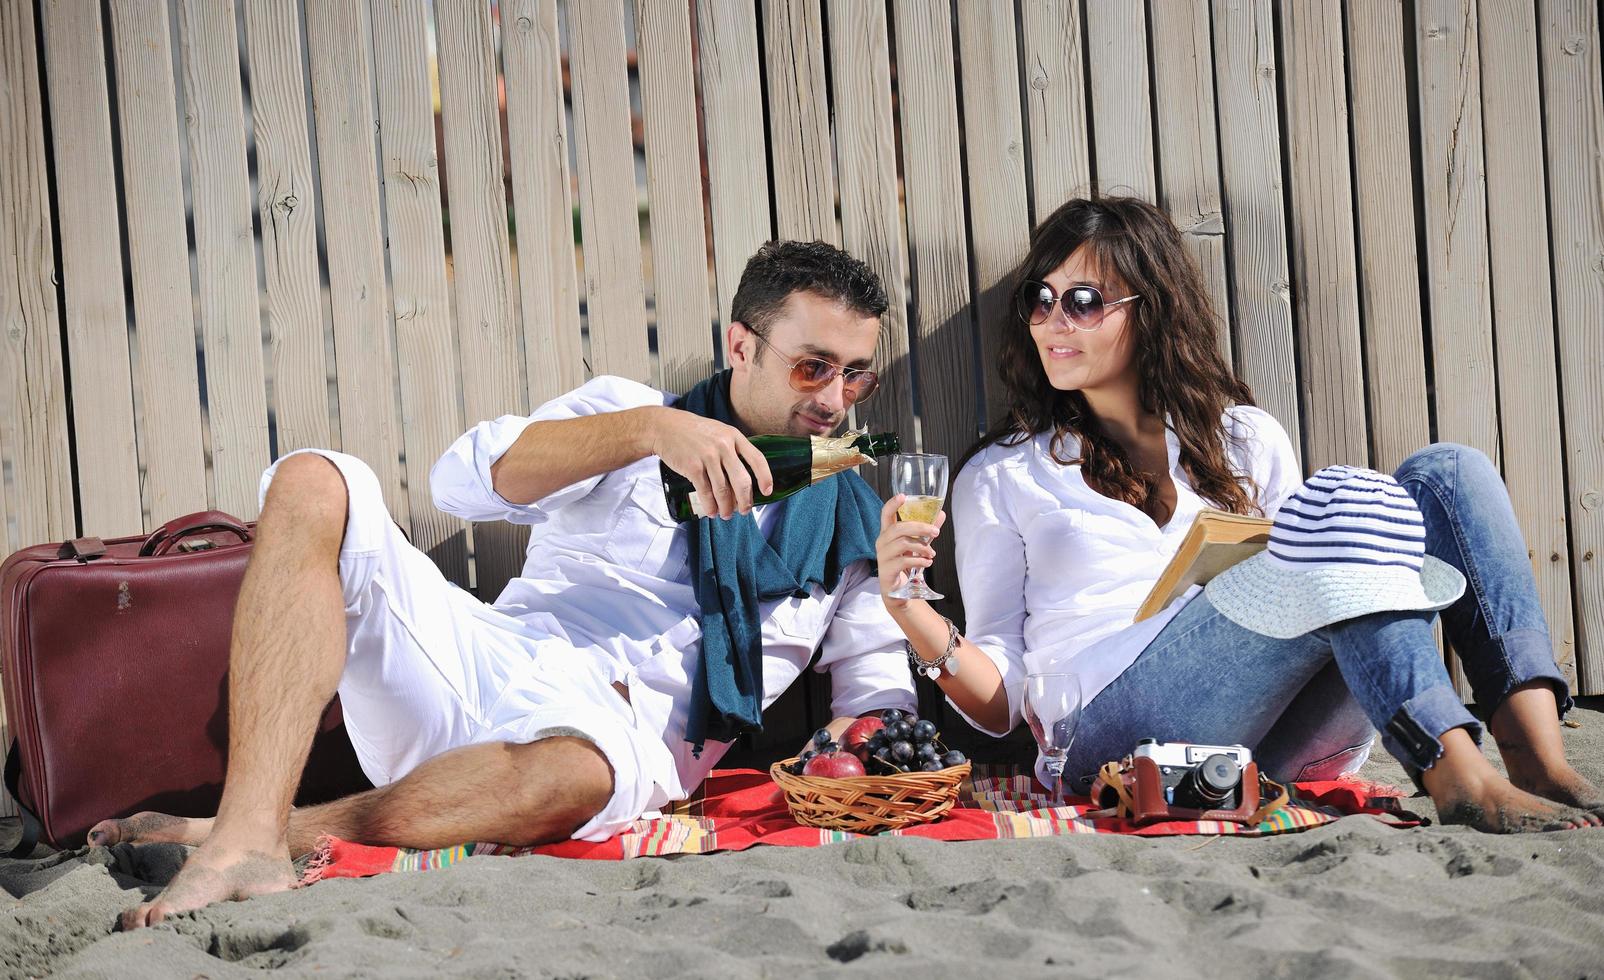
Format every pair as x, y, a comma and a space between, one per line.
1352, 899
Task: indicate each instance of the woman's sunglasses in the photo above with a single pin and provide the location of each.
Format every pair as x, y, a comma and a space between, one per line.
810, 374
1083, 305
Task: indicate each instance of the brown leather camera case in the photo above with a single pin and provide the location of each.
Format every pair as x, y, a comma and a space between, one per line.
1144, 788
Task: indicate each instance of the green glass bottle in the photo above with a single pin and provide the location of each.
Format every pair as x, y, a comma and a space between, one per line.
794, 462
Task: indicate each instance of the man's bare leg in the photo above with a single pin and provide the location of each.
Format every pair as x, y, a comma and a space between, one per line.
1526, 728
510, 794
497, 791
285, 658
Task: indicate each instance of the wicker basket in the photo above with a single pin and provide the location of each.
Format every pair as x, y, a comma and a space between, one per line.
869, 804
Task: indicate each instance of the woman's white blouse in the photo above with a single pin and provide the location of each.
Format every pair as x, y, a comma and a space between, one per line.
1053, 571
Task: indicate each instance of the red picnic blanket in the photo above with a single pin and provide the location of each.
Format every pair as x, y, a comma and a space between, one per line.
738, 808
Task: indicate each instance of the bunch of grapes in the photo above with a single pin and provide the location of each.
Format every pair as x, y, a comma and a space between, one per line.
892, 743
907, 743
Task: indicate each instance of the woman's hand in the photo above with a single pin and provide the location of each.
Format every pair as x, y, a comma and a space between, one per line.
902, 547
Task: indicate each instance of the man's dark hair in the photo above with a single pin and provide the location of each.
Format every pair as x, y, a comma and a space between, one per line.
781, 268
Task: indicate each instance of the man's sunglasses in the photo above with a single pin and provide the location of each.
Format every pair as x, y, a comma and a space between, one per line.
810, 374
1083, 305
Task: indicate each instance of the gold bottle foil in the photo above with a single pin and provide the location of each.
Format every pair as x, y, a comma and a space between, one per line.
832, 454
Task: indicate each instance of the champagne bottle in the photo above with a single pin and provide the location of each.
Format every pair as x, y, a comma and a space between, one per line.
795, 462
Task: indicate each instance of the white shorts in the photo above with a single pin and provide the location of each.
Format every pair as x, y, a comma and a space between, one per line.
430, 668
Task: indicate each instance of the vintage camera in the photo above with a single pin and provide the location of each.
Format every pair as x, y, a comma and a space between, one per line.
1197, 777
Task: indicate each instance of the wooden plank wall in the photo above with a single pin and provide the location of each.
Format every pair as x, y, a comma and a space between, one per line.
1398, 208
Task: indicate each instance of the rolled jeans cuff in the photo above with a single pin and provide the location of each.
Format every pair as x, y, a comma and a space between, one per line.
1529, 656
1414, 734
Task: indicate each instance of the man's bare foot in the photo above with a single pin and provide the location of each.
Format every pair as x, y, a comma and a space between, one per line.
213, 874
150, 827
1507, 810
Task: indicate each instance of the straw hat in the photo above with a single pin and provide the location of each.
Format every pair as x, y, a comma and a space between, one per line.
1348, 543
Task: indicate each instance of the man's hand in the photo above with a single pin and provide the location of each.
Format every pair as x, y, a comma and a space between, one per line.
710, 455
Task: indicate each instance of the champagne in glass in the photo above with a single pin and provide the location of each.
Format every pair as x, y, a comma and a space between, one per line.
1052, 710
921, 509
922, 479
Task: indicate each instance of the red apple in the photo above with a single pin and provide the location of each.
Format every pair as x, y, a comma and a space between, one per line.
856, 738
837, 765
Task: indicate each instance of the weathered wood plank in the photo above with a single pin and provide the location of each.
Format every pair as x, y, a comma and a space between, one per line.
537, 136
1188, 145
286, 208
487, 325
171, 453
425, 338
674, 189
608, 201
1055, 103
33, 398
799, 121
1255, 208
1453, 178
1517, 233
738, 174
871, 223
1122, 116
1573, 122
1389, 280
943, 314
338, 41
994, 149
225, 254
1324, 277
91, 270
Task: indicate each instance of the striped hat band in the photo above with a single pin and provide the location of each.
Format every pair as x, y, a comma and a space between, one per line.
1348, 517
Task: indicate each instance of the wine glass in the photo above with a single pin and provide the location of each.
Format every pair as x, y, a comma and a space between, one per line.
1052, 710
922, 478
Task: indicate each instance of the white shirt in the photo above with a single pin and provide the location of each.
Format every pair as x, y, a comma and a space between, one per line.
607, 570
1053, 571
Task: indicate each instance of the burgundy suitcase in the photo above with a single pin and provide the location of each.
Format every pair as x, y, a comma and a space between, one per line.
114, 657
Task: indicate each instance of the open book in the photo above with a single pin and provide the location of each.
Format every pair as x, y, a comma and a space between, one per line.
1216, 541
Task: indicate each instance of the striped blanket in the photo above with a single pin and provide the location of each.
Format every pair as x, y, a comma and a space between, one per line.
738, 808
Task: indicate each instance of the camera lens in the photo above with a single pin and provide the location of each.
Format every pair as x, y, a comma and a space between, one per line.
1211, 784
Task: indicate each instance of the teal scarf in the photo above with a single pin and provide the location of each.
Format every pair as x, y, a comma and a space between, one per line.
734, 568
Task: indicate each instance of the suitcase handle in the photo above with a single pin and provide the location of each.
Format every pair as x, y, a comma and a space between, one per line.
82, 549
165, 538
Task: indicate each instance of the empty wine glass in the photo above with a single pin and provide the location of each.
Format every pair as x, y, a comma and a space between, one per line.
1052, 710
922, 478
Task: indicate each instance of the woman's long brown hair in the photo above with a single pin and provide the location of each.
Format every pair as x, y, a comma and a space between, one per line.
1180, 368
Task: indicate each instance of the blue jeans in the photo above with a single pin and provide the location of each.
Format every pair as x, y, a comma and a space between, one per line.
1309, 706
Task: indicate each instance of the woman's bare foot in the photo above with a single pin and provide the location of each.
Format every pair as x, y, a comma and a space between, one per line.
1526, 728
215, 873
1561, 784
1507, 810
1468, 790
150, 827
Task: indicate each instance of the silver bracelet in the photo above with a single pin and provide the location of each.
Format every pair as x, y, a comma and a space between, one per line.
947, 660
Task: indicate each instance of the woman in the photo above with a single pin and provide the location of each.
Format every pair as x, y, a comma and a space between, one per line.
1124, 423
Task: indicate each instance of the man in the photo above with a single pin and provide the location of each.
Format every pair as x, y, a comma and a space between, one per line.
605, 681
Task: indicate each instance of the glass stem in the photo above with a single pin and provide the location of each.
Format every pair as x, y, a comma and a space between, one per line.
917, 579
